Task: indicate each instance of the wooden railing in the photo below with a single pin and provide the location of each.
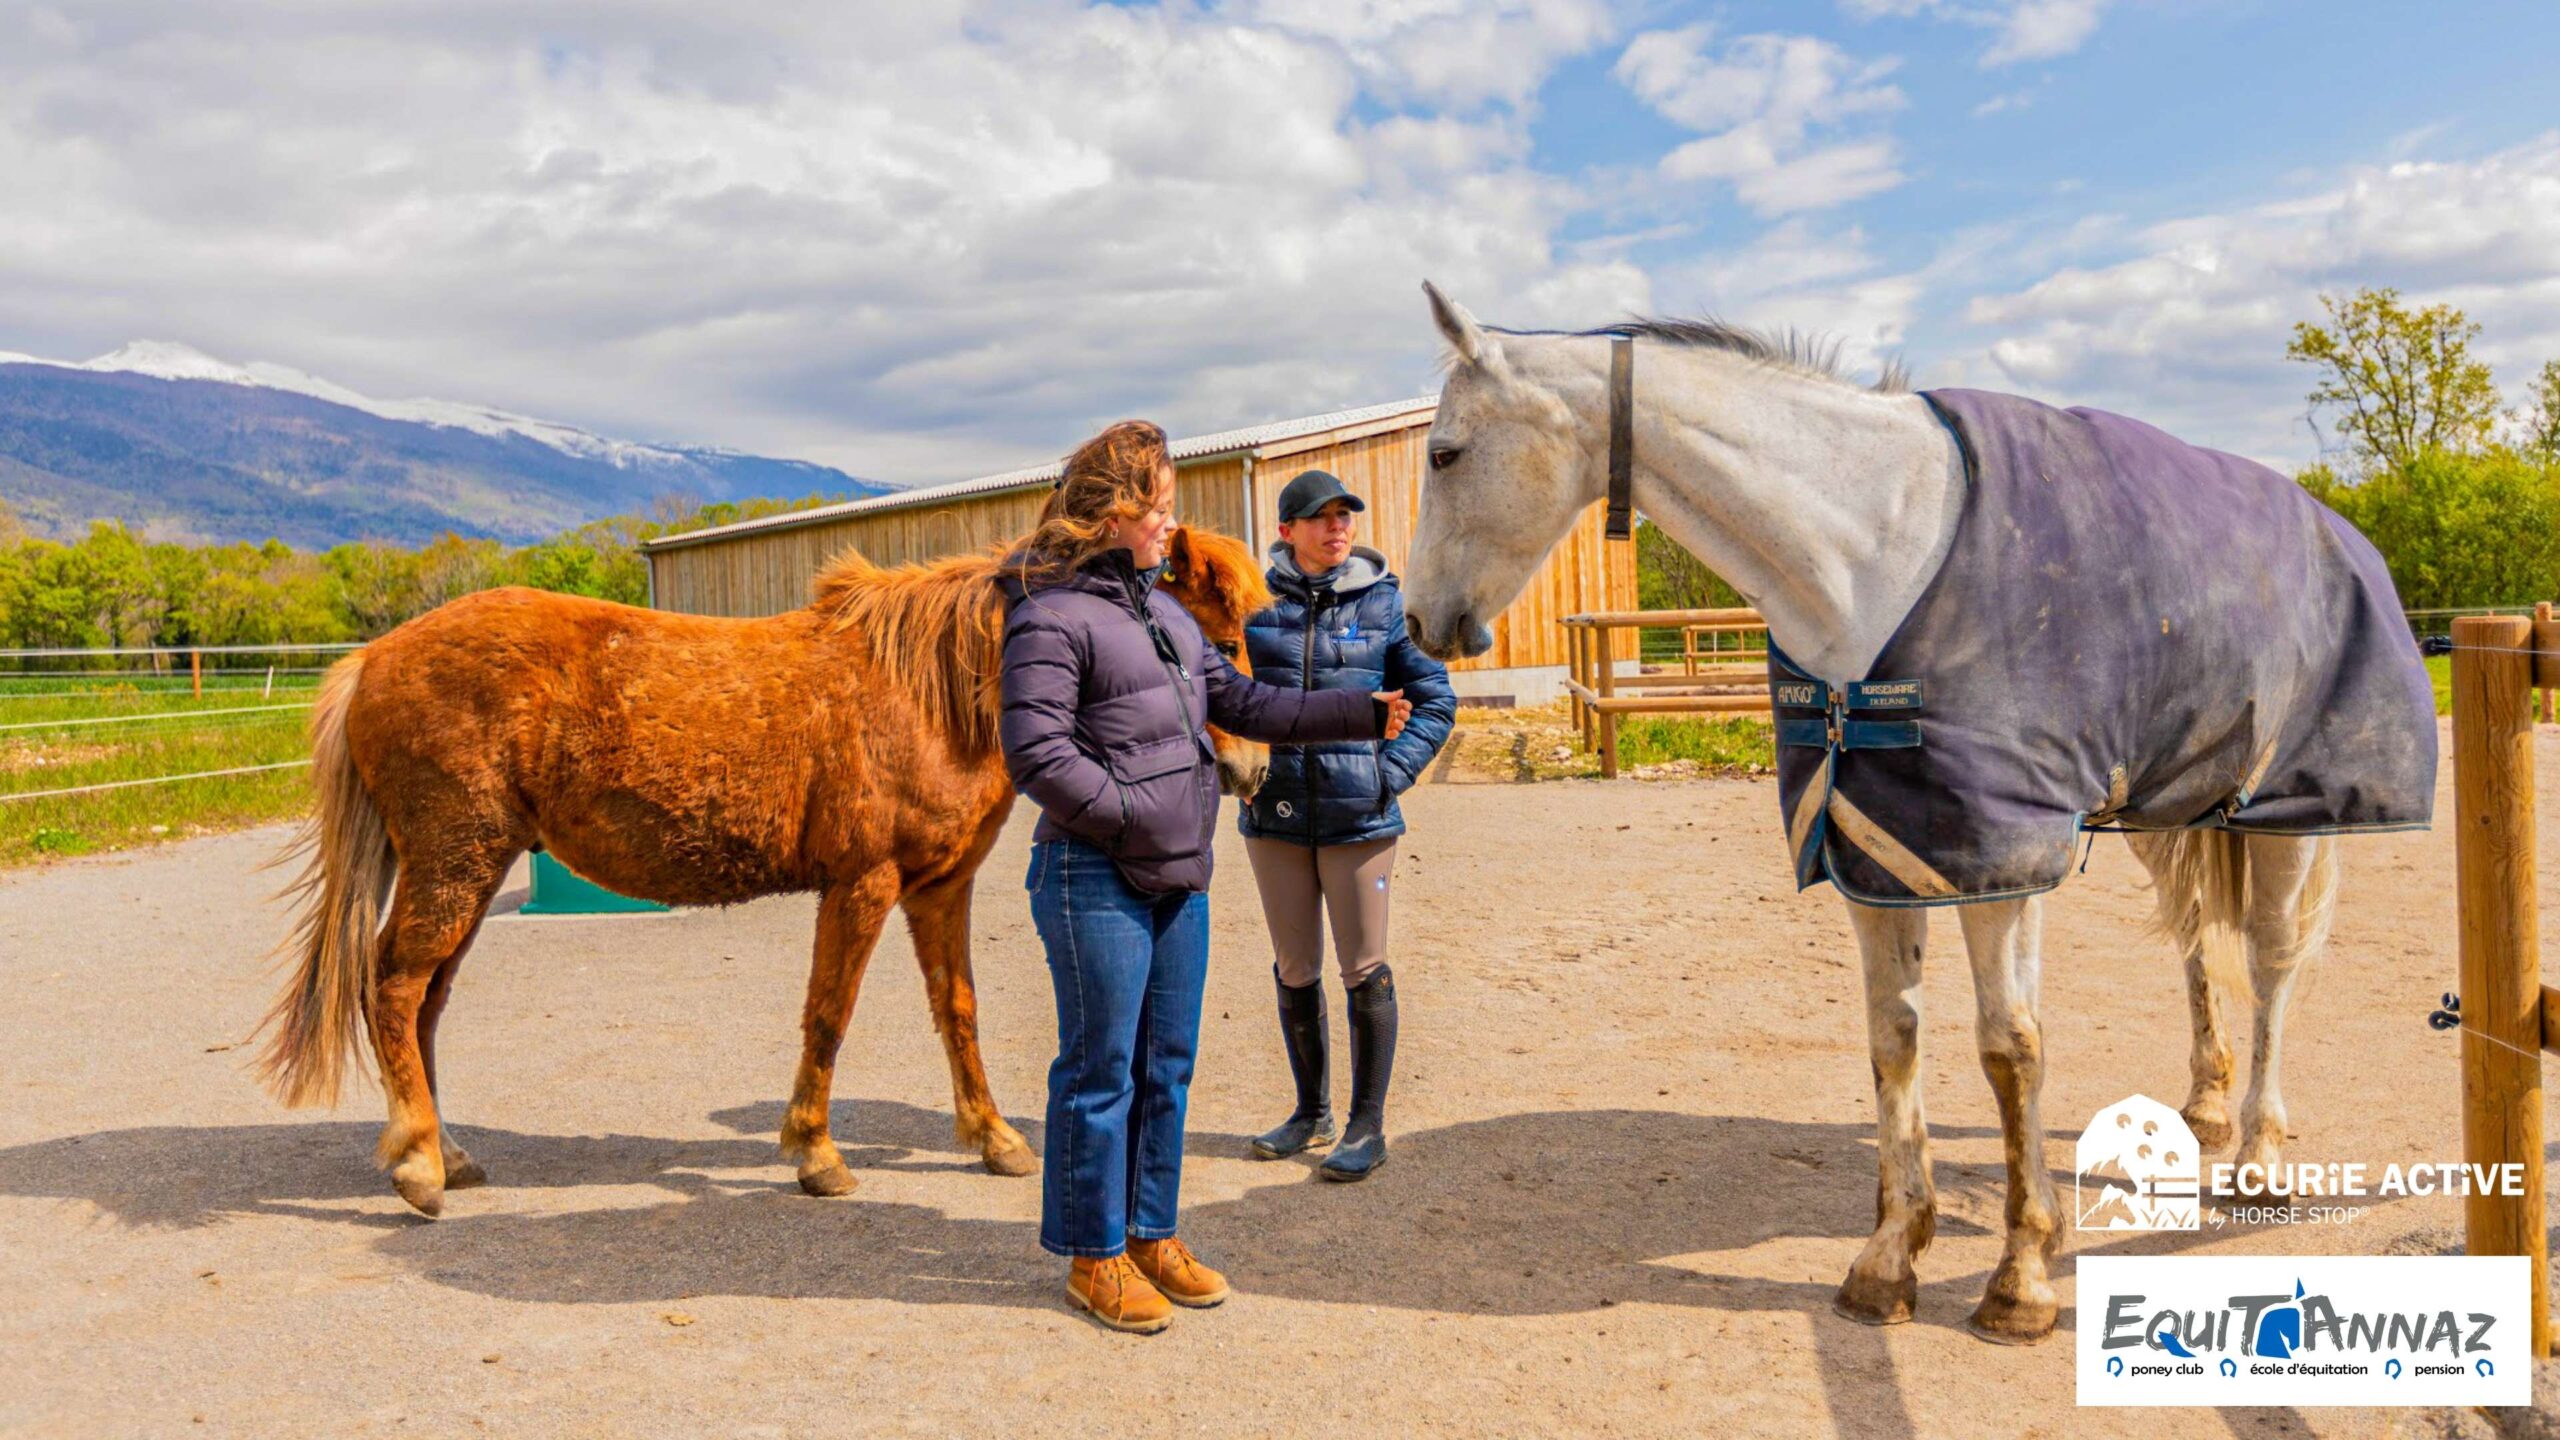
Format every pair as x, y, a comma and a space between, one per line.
1738, 678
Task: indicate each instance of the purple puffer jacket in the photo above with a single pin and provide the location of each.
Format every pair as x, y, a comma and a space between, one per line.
1108, 686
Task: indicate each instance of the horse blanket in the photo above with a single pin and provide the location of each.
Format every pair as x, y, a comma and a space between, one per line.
2128, 632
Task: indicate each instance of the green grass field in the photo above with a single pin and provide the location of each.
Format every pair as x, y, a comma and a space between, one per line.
64, 732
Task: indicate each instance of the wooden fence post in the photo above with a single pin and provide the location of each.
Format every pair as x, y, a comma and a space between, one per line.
2501, 945
195, 668
1608, 686
2543, 630
1573, 670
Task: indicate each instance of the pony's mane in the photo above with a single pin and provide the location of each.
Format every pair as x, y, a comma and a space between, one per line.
1802, 352
936, 630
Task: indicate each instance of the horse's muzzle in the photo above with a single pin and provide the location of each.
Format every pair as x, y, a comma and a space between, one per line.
1466, 638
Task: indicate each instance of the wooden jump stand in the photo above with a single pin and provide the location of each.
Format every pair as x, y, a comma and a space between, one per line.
1593, 683
2509, 1017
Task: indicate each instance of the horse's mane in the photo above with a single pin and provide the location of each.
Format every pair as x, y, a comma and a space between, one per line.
937, 630
1803, 352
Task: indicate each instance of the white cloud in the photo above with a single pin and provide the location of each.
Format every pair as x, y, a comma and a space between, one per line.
941, 238
1759, 98
1795, 275
1460, 52
2043, 29
2190, 329
2022, 29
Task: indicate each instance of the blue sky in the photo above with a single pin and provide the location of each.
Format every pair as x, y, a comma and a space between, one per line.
953, 235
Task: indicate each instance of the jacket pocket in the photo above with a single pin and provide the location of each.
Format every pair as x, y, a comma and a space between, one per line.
1157, 781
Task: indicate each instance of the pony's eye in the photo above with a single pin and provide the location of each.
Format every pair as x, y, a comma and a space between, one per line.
1443, 456
1225, 647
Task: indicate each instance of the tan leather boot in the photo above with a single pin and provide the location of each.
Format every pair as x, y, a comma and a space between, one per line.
1177, 1273
1116, 1294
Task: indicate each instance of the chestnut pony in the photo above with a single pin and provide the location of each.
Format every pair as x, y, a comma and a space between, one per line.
848, 747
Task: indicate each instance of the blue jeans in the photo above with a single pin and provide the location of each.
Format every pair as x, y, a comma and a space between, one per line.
1128, 969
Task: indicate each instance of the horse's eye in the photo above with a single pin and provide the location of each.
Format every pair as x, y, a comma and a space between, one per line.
1443, 456
1225, 647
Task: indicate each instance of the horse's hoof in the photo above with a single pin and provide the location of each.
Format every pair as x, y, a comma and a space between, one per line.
461, 1172
1012, 1159
424, 1195
827, 1181
1877, 1300
2004, 1321
2211, 1124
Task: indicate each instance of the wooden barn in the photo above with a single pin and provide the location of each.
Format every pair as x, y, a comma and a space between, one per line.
1229, 481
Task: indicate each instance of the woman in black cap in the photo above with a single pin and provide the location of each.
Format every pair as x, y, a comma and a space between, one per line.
1321, 832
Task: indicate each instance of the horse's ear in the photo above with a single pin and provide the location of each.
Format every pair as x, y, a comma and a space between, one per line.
1179, 554
1456, 326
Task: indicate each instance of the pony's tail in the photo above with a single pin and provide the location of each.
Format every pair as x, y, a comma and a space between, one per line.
347, 867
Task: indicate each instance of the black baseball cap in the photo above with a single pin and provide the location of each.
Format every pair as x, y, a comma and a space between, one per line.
1311, 492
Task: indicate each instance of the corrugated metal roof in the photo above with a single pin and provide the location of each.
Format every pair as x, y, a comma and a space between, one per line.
1197, 447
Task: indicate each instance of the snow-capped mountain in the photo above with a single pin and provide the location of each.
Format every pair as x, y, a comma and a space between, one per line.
197, 447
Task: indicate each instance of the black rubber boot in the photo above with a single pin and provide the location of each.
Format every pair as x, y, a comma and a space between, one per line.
1302, 1030
1373, 1061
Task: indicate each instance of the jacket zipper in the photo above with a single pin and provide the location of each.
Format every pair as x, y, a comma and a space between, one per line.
1181, 700
1306, 683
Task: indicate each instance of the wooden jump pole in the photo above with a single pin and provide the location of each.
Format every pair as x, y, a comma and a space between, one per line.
2501, 944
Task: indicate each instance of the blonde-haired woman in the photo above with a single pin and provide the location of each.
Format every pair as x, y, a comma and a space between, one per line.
1108, 687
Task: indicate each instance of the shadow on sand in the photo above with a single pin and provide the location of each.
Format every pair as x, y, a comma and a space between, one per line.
1529, 1214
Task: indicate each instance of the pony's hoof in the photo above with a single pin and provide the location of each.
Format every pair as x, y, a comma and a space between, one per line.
2211, 1124
465, 1175
2004, 1321
424, 1195
1013, 1158
1877, 1300
827, 1181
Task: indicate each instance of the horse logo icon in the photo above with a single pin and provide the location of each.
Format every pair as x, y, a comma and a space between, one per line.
2136, 1169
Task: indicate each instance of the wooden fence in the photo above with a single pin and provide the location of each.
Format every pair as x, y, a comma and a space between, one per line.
1713, 680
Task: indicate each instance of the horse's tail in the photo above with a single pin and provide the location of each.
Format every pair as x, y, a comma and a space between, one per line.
2201, 880
347, 867
2200, 895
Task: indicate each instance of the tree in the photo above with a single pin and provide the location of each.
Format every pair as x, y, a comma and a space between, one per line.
1668, 577
2539, 420
2457, 530
2402, 381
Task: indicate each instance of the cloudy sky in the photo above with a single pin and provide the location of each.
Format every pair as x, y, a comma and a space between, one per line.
948, 236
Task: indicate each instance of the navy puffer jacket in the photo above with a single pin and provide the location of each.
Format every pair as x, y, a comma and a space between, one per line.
1107, 685
1343, 631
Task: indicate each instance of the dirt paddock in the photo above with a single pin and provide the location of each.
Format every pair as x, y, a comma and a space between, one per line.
1633, 1156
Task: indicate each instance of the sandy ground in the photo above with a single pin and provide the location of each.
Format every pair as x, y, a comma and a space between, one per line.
1633, 1157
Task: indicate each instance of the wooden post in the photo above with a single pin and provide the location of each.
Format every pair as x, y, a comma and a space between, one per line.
195, 667
2501, 947
1573, 668
1591, 723
2542, 628
1608, 684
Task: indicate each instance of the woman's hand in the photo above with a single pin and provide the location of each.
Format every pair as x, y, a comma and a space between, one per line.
1398, 709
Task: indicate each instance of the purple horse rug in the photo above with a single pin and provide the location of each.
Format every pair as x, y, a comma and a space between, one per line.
2129, 632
